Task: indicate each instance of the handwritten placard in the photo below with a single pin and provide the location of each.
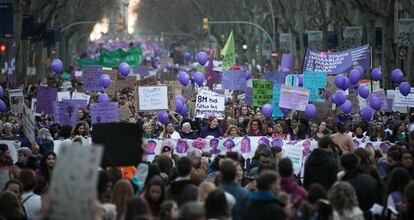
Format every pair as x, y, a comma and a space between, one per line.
293, 98
316, 83
16, 100
45, 98
151, 98
104, 112
209, 103
65, 113
125, 113
262, 92
91, 77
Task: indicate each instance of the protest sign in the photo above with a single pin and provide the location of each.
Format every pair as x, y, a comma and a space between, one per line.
174, 89
13, 147
279, 76
248, 98
151, 98
293, 98
82, 104
209, 103
63, 95
16, 100
67, 85
391, 100
74, 182
105, 112
111, 90
338, 62
125, 113
45, 98
277, 113
381, 95
295, 154
91, 78
84, 62
125, 82
234, 80
315, 40
285, 41
65, 113
141, 70
316, 83
29, 124
113, 73
262, 92
404, 101
82, 96
292, 80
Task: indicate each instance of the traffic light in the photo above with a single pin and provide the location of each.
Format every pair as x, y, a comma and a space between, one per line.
3, 48
120, 23
205, 23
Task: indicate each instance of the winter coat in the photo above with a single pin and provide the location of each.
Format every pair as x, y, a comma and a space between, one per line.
263, 205
240, 194
191, 136
296, 192
206, 131
181, 191
320, 168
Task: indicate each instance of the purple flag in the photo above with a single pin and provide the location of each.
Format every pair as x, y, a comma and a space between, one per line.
45, 98
234, 80
81, 103
65, 113
91, 77
105, 112
212, 76
279, 76
339, 62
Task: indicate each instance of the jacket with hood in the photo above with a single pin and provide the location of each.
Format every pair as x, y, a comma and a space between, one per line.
264, 205
296, 192
320, 168
181, 191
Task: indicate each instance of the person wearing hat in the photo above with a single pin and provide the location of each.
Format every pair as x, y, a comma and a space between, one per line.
7, 133
187, 133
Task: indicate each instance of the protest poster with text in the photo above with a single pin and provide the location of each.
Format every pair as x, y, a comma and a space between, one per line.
45, 98
234, 80
91, 78
277, 113
380, 94
404, 101
105, 112
262, 92
337, 62
294, 98
16, 100
29, 124
65, 113
316, 83
82, 104
209, 103
151, 98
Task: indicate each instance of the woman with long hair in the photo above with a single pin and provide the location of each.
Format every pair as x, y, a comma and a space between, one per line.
122, 192
398, 133
136, 208
45, 140
397, 182
255, 128
47, 163
281, 131
344, 202
154, 194
10, 207
342, 139
169, 210
81, 129
233, 131
212, 129
216, 206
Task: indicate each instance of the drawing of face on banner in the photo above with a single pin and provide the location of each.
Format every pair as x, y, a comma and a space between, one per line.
277, 143
264, 140
384, 147
182, 146
229, 144
356, 143
214, 144
306, 148
368, 146
199, 144
245, 145
151, 148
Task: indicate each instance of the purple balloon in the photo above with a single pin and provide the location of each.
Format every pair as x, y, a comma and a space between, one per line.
162, 117
354, 76
170, 67
183, 78
124, 69
187, 56
105, 80
57, 66
360, 70
339, 97
375, 103
363, 91
346, 84
198, 78
366, 113
267, 110
1, 92
397, 76
339, 81
184, 111
180, 98
376, 74
103, 98
3, 107
346, 107
248, 74
405, 88
310, 110
202, 58
178, 105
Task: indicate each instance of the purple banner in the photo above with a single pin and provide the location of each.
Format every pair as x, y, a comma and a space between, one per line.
45, 98
234, 80
91, 77
293, 98
248, 99
104, 112
65, 113
279, 76
339, 62
81, 103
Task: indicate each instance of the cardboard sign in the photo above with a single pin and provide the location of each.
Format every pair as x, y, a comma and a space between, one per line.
74, 181
316, 83
125, 113
262, 92
209, 103
29, 124
151, 98
113, 73
147, 81
45, 98
127, 82
105, 112
293, 98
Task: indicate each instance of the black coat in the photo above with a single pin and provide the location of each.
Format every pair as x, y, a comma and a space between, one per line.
262, 206
366, 189
322, 168
182, 191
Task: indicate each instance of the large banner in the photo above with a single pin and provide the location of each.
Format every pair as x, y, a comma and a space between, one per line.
339, 62
113, 58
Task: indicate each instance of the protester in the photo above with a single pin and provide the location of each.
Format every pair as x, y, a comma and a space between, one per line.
14, 186
31, 202
344, 201
170, 132
46, 166
289, 184
154, 195
168, 210
10, 207
121, 194
212, 129
281, 131
216, 206
136, 208
397, 182
343, 140
204, 189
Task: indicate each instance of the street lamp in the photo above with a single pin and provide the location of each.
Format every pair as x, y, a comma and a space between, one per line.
244, 47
